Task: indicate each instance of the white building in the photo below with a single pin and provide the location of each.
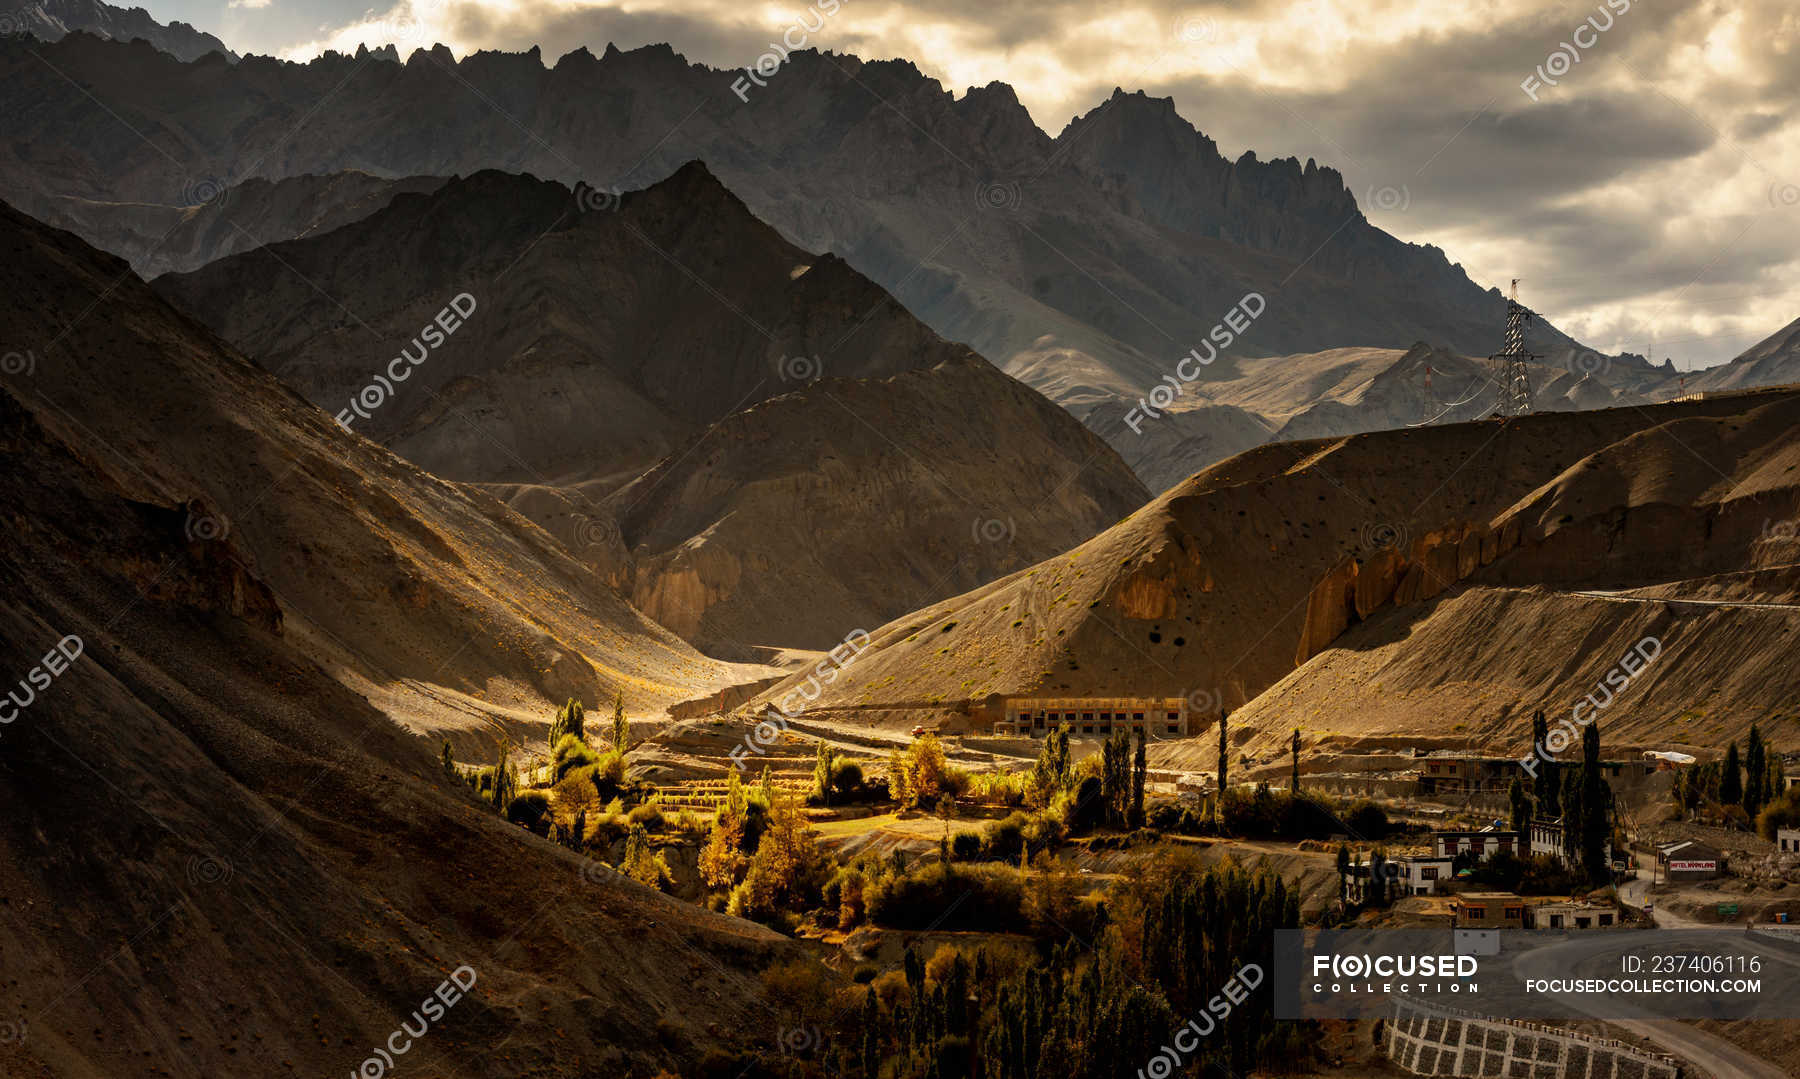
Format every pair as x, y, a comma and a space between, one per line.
1424, 871
1788, 840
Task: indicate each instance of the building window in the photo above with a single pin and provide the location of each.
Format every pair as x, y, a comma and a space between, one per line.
1428, 873
1475, 914
1513, 913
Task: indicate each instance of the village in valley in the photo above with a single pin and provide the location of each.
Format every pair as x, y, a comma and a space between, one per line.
1055, 817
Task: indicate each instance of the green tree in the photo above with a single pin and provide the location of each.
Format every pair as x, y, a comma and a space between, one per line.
449, 760
823, 766
1115, 777
1546, 784
641, 863
1596, 808
1521, 809
1731, 780
506, 780
1571, 816
621, 728
1140, 773
570, 720
1224, 755
1343, 868
1294, 756
1756, 773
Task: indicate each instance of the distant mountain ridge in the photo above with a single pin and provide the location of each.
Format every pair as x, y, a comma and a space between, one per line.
1113, 247
52, 20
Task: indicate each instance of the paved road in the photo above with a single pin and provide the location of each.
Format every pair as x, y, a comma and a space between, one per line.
1617, 597
1712, 1055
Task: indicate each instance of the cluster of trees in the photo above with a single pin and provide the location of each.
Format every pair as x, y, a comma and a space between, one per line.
1576, 794
1735, 790
1122, 775
587, 802
761, 860
838, 780
1103, 1005
921, 775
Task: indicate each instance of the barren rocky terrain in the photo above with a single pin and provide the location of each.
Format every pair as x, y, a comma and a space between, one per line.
223, 849
752, 442
1340, 557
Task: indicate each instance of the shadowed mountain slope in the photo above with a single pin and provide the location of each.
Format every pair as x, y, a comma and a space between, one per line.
608, 334
205, 788
1226, 583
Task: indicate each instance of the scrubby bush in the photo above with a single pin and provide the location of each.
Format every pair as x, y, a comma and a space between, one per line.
641, 863
609, 775
978, 897
966, 846
649, 815
1001, 787
1783, 812
1367, 821
571, 753
531, 809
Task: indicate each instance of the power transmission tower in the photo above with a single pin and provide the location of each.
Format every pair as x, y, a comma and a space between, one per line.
1515, 377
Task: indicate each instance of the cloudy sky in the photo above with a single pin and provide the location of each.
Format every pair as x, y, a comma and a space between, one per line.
1645, 186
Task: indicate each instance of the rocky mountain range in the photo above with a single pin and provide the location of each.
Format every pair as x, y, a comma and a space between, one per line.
229, 619
822, 461
1086, 263
52, 20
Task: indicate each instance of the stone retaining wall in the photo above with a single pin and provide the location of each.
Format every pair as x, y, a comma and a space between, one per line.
1439, 1041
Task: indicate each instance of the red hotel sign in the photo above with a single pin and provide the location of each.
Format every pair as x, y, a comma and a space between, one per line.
1711, 867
